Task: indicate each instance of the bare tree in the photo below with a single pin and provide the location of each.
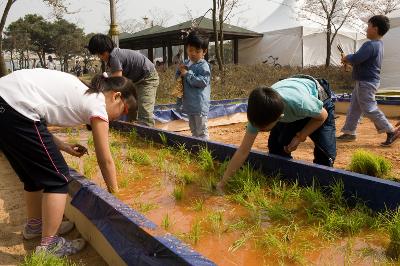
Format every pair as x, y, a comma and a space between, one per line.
381, 7
222, 11
331, 15
59, 6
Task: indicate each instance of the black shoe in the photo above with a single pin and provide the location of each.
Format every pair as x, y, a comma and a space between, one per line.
390, 139
346, 138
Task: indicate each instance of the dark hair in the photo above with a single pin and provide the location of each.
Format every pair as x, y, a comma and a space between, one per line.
197, 39
381, 22
100, 43
123, 85
264, 106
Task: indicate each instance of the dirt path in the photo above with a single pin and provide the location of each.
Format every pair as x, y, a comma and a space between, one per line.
367, 139
12, 218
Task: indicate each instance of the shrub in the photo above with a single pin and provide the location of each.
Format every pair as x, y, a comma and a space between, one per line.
365, 162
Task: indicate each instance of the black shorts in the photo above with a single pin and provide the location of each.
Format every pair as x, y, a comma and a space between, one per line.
32, 152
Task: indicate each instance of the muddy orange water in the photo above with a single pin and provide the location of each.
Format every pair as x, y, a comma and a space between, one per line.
216, 226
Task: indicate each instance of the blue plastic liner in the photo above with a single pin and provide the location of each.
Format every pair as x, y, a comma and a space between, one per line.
127, 231
377, 193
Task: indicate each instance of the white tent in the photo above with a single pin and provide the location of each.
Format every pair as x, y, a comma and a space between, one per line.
390, 76
293, 42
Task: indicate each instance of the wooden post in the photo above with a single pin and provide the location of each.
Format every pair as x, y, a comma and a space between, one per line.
164, 55
235, 51
150, 54
170, 55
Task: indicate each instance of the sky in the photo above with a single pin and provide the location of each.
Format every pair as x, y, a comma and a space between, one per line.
93, 15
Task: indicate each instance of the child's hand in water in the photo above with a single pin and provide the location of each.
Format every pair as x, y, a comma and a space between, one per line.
76, 150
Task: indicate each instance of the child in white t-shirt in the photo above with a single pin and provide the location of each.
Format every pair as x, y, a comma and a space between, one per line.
29, 100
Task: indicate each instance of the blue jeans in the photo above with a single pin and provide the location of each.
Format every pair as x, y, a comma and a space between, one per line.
324, 137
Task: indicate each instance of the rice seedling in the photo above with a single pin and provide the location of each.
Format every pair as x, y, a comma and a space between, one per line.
163, 139
183, 154
195, 232
337, 190
278, 212
316, 202
132, 136
241, 241
284, 191
215, 221
45, 259
90, 141
138, 156
161, 159
144, 207
89, 166
345, 222
208, 183
206, 161
197, 205
166, 222
125, 181
238, 225
178, 192
74, 164
186, 177
365, 162
119, 165
393, 250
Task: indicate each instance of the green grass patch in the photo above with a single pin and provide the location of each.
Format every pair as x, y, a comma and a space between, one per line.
138, 156
45, 259
178, 192
166, 222
368, 163
206, 161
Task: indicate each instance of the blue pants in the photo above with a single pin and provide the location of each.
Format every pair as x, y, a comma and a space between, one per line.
324, 137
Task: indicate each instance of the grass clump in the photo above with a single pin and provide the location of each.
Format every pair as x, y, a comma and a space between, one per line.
198, 205
163, 138
166, 222
138, 156
393, 250
215, 221
206, 160
45, 259
195, 232
368, 163
178, 192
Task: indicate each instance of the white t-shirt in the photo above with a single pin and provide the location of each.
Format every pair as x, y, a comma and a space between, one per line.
57, 97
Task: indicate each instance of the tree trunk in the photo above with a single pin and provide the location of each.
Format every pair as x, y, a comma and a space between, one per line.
12, 60
3, 69
328, 45
214, 16
221, 31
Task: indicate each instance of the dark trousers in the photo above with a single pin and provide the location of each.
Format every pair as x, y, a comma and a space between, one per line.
324, 137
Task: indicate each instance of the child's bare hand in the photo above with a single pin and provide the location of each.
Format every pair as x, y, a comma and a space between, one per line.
183, 69
292, 145
344, 60
76, 150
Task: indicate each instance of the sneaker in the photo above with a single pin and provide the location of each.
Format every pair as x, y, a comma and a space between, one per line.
63, 247
65, 227
390, 139
346, 138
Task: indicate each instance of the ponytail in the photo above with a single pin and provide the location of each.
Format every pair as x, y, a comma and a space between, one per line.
103, 83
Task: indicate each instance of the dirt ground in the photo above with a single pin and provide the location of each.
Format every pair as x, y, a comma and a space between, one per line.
367, 139
12, 218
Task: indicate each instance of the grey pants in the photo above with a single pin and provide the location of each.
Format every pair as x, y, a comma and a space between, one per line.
198, 126
146, 90
363, 103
